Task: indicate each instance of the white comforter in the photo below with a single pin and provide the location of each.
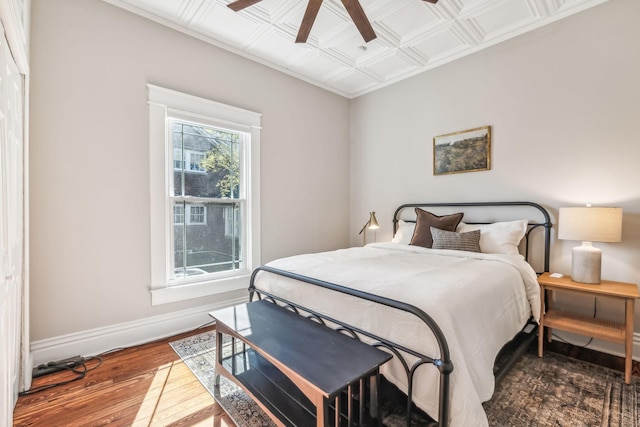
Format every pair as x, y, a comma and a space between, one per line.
480, 301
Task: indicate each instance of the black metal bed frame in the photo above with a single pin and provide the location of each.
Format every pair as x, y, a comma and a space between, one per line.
443, 363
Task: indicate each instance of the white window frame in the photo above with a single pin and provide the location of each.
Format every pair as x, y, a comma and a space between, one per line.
165, 104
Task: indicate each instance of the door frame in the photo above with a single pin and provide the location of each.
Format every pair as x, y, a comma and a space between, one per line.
15, 18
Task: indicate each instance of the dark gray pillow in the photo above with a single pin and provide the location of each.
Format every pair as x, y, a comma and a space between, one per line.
425, 220
469, 241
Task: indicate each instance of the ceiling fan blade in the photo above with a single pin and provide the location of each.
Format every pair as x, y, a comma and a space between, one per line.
360, 19
241, 4
431, 1
307, 20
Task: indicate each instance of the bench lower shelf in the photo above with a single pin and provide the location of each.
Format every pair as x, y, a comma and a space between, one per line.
269, 386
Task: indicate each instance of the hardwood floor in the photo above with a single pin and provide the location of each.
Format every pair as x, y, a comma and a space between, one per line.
148, 385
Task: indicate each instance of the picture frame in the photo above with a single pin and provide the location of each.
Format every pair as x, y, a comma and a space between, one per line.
464, 151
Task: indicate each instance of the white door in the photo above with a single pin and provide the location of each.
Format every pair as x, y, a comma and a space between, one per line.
11, 228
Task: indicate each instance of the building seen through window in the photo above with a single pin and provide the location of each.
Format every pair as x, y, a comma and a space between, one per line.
207, 199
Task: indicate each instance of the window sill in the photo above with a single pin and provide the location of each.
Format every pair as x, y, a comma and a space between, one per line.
200, 289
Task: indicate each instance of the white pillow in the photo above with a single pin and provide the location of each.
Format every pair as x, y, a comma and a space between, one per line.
499, 237
404, 233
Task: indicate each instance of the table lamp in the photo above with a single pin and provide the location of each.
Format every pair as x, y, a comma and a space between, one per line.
372, 224
589, 224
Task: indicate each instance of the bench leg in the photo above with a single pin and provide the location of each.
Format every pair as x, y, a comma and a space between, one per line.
322, 411
374, 380
350, 405
361, 402
216, 380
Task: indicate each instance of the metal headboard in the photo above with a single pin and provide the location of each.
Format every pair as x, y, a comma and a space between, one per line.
545, 224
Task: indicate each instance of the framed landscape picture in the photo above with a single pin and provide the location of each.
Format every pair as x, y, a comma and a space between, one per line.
465, 151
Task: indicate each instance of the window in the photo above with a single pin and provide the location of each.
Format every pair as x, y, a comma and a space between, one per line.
204, 196
177, 159
231, 221
195, 161
178, 214
197, 215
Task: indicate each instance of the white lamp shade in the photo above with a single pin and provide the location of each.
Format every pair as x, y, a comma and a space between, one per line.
590, 224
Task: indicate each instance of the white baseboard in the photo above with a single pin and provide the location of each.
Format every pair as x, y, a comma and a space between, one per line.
96, 341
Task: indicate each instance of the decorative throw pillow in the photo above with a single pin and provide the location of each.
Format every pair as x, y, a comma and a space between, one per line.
425, 220
404, 232
469, 241
499, 237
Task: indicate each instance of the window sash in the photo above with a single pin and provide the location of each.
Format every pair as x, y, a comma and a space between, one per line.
179, 127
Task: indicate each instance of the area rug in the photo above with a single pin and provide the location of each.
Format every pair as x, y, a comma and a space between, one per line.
538, 392
561, 391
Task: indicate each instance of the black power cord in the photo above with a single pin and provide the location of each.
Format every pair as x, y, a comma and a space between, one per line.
76, 365
595, 310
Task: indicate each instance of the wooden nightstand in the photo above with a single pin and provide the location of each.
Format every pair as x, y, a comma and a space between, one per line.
597, 328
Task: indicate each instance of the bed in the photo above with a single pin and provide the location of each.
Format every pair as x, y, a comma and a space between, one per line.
445, 311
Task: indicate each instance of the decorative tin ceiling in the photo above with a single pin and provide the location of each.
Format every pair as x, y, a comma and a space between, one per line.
412, 35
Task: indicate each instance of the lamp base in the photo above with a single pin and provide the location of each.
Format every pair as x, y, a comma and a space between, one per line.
586, 262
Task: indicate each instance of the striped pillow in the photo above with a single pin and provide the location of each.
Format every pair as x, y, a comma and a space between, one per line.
469, 241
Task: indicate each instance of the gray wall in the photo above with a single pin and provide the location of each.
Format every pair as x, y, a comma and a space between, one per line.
89, 158
564, 105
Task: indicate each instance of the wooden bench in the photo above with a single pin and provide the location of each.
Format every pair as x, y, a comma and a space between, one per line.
300, 372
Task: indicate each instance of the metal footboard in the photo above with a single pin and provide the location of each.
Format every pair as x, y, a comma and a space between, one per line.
443, 364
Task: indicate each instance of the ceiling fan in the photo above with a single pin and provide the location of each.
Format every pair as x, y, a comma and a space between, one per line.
353, 7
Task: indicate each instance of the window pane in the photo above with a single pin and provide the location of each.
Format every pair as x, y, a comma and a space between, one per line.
207, 246
231, 221
178, 213
177, 159
206, 161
